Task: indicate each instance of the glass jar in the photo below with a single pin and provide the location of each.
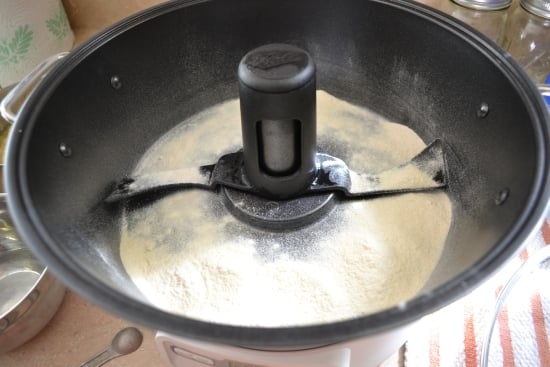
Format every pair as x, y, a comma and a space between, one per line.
487, 16
527, 37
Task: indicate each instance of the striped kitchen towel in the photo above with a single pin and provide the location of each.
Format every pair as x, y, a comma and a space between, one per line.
452, 337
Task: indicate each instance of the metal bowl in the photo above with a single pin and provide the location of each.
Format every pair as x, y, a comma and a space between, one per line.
29, 295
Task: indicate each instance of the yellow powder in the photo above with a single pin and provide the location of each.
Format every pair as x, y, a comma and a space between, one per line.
190, 256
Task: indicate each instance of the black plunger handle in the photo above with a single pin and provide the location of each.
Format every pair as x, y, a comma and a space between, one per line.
278, 119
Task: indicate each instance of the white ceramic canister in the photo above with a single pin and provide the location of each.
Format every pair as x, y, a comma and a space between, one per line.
30, 31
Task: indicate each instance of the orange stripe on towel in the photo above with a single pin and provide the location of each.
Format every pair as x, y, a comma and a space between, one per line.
546, 232
434, 349
505, 338
470, 350
540, 329
524, 255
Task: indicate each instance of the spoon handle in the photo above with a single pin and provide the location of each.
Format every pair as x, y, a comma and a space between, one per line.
124, 342
101, 358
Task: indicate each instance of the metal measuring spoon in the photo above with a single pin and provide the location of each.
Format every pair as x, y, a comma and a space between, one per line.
126, 341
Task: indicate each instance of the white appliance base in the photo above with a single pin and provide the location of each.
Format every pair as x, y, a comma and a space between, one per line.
370, 351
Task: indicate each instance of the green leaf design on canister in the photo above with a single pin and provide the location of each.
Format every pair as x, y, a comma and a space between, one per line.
58, 24
14, 50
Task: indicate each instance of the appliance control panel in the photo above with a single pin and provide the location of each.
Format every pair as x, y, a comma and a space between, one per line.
192, 359
178, 352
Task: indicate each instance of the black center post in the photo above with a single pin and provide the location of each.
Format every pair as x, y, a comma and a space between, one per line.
278, 118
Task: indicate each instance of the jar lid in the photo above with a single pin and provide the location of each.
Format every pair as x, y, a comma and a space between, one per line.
485, 4
537, 7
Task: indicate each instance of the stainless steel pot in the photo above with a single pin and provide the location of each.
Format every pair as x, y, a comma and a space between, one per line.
98, 111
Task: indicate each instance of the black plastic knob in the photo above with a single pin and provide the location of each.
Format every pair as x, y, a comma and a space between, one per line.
278, 118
